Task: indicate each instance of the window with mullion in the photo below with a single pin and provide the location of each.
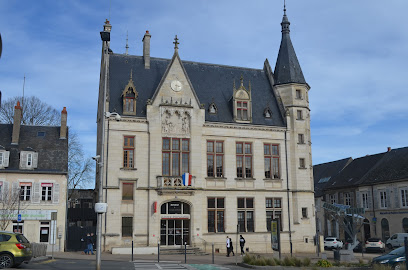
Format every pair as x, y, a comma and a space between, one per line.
216, 210
404, 197
215, 158
273, 211
244, 160
175, 156
245, 214
271, 160
128, 151
242, 110
25, 193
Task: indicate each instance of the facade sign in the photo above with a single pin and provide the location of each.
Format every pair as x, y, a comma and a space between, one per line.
175, 216
46, 184
28, 214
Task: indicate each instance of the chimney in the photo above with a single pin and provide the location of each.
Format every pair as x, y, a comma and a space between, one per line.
16, 124
388, 149
146, 50
63, 129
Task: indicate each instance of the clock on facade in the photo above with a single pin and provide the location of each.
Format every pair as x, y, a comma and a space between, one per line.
176, 85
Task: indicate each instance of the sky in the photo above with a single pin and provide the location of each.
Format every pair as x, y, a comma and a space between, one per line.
352, 53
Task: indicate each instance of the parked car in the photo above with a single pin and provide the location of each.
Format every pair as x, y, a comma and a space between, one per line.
395, 259
332, 243
374, 244
396, 240
14, 249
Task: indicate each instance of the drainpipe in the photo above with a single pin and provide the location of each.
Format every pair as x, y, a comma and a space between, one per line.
287, 192
148, 184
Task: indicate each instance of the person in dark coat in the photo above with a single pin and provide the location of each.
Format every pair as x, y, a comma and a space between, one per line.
228, 246
89, 244
232, 247
242, 244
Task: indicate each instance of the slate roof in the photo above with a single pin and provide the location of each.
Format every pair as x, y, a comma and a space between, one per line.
52, 151
354, 173
211, 83
392, 167
324, 172
287, 68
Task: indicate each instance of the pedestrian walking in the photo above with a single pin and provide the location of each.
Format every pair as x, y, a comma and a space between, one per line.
242, 244
232, 247
228, 246
89, 245
93, 241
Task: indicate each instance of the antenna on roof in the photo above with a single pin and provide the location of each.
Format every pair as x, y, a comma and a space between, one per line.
110, 4
22, 101
127, 45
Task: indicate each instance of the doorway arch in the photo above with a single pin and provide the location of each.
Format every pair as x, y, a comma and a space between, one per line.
385, 229
367, 230
174, 223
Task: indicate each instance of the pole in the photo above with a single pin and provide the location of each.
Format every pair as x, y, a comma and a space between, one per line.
236, 241
185, 252
158, 252
406, 251
132, 250
212, 253
101, 161
18, 210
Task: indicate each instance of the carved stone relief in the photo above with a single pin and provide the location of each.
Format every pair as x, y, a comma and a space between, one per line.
175, 121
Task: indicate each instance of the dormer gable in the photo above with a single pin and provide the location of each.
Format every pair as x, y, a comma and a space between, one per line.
242, 103
129, 96
28, 159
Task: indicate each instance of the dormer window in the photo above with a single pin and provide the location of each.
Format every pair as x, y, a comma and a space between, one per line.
242, 103
4, 159
212, 109
28, 159
129, 96
267, 113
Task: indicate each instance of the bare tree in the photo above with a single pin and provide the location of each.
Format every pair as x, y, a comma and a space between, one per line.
35, 112
9, 205
38, 113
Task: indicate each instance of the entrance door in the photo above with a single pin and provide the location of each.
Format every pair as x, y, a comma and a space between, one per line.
174, 232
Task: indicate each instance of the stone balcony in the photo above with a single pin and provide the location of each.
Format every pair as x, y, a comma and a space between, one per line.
174, 185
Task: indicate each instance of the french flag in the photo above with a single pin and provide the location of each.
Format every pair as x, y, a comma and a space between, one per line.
187, 179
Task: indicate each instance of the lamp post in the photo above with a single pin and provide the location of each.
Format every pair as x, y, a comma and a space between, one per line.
100, 208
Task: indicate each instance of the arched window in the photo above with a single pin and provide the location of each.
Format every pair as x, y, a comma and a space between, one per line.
385, 229
175, 207
405, 225
242, 103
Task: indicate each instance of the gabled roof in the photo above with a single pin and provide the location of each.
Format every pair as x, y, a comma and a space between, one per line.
392, 167
324, 172
211, 83
287, 68
354, 173
52, 151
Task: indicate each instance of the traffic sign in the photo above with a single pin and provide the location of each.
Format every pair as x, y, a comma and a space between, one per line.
19, 218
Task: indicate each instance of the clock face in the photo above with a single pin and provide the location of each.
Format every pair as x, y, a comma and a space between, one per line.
176, 85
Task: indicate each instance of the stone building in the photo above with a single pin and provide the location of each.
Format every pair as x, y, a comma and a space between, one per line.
33, 170
377, 183
242, 134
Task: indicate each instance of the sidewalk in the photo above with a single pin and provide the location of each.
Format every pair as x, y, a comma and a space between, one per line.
219, 258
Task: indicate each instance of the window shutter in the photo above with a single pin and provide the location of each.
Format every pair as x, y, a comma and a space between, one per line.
36, 193
14, 189
2, 190
396, 198
341, 195
375, 196
55, 193
6, 158
23, 160
358, 199
336, 197
370, 199
327, 198
388, 198
35, 160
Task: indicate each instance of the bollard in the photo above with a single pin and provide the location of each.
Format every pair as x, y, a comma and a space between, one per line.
132, 251
158, 251
185, 252
212, 253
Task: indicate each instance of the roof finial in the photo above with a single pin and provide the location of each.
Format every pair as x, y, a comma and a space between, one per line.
285, 22
176, 43
242, 80
284, 7
127, 45
131, 74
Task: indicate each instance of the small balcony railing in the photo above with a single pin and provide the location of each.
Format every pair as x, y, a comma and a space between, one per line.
173, 182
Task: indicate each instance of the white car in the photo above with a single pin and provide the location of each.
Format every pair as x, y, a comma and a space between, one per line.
332, 243
374, 244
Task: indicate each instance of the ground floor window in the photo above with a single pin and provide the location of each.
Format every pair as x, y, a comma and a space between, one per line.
246, 214
216, 210
18, 226
273, 211
174, 232
127, 226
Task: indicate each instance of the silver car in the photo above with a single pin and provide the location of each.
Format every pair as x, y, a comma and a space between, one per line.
332, 243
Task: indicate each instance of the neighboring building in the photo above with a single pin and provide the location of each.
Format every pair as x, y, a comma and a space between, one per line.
81, 217
34, 162
378, 183
242, 133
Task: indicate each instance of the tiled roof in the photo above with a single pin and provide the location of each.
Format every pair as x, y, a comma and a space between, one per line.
324, 172
212, 83
52, 151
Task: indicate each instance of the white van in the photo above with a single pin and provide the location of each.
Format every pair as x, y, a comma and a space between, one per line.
397, 240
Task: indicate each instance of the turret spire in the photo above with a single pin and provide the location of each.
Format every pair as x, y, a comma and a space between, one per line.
287, 68
127, 44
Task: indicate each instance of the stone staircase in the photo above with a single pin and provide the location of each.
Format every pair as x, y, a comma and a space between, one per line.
180, 250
